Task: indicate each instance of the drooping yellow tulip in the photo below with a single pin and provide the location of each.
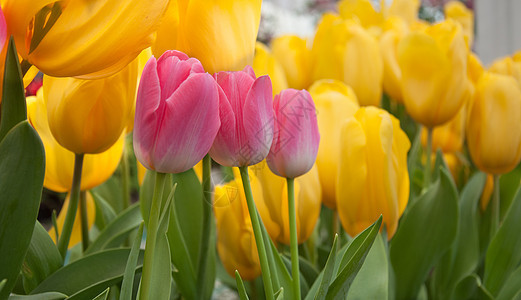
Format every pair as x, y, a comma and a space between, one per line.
293, 54
88, 116
76, 228
434, 72
493, 132
457, 11
345, 51
372, 173
59, 162
507, 66
264, 63
362, 11
334, 102
273, 206
221, 34
82, 38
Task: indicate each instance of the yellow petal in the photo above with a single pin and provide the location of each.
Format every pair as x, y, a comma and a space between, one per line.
264, 63
361, 10
457, 11
295, 57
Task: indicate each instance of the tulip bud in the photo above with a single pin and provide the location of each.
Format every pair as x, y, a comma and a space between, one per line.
221, 34
82, 37
493, 133
457, 11
247, 120
372, 175
59, 162
89, 116
507, 66
264, 63
293, 54
434, 72
177, 114
296, 138
335, 102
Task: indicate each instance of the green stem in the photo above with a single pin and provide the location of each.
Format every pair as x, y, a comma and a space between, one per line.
207, 223
125, 179
295, 273
153, 223
65, 236
495, 207
428, 151
266, 278
84, 220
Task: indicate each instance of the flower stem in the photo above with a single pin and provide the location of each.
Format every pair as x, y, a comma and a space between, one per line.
84, 220
65, 236
125, 179
494, 225
207, 223
428, 152
295, 273
266, 278
153, 223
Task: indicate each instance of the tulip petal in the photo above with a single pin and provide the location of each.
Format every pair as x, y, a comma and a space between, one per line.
173, 67
222, 150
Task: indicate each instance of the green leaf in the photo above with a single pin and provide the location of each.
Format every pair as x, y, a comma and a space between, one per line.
327, 274
425, 233
118, 230
112, 192
240, 286
14, 108
468, 286
279, 295
42, 258
512, 286
352, 261
103, 295
42, 296
90, 275
22, 167
104, 211
128, 277
504, 251
2, 284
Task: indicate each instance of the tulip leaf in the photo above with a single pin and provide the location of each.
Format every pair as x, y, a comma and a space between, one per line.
117, 230
42, 296
240, 287
327, 273
90, 275
352, 261
468, 286
279, 295
103, 295
128, 277
104, 211
42, 258
43, 22
425, 233
512, 287
462, 259
14, 108
504, 252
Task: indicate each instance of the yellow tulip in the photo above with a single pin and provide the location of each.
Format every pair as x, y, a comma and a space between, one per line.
474, 68
457, 11
88, 116
360, 10
372, 175
343, 50
59, 162
92, 39
273, 206
448, 137
405, 9
434, 72
507, 66
334, 102
517, 56
264, 63
221, 34
76, 227
293, 54
493, 132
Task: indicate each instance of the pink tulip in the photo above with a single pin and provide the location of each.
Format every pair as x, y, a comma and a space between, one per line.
177, 113
245, 108
296, 139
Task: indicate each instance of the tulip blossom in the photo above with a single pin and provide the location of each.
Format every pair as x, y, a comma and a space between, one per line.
176, 113
388, 46
264, 63
457, 11
293, 54
247, 120
493, 133
372, 174
296, 139
507, 66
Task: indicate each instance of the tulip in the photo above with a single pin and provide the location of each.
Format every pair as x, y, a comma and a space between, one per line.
457, 11
474, 68
59, 162
361, 10
264, 63
372, 175
247, 120
296, 137
273, 205
82, 38
407, 10
221, 34
493, 133
449, 136
507, 66
392, 75
89, 116
176, 113
335, 102
434, 73
343, 50
293, 54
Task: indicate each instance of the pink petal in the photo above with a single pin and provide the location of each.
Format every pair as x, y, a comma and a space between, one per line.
173, 68
224, 147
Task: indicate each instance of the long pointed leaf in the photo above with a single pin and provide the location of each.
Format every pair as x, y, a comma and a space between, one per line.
240, 286
130, 269
328, 272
